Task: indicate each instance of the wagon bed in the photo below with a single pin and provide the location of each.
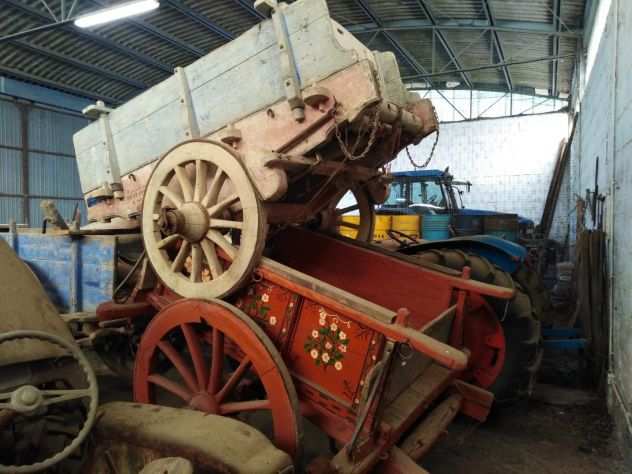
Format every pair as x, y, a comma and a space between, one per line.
330, 338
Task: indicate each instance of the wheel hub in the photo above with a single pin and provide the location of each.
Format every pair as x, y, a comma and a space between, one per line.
191, 221
204, 402
26, 399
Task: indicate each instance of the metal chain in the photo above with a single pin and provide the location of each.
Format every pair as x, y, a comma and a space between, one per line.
434, 145
375, 125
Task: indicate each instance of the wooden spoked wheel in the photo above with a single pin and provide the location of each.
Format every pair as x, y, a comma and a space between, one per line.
203, 225
352, 214
219, 354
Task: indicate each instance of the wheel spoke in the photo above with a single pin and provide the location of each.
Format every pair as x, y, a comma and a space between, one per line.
58, 396
201, 170
232, 381
185, 184
170, 386
195, 349
348, 224
168, 240
6, 396
179, 363
344, 210
211, 258
217, 361
239, 407
171, 195
223, 204
222, 242
196, 263
183, 253
213, 191
225, 224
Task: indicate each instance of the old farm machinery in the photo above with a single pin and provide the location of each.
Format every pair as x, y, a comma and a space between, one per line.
247, 152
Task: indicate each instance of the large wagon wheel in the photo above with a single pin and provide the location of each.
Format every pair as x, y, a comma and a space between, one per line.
360, 205
203, 225
226, 352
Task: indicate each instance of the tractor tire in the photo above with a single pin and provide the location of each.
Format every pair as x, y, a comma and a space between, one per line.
532, 285
523, 352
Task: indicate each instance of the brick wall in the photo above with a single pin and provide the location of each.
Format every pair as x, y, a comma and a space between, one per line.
509, 161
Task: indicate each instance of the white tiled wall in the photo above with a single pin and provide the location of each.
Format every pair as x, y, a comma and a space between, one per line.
509, 161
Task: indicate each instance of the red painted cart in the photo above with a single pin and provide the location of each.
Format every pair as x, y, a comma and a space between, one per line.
364, 343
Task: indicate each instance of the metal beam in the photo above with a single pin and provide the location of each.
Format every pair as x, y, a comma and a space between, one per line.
246, 5
557, 25
491, 18
444, 42
107, 73
503, 26
399, 49
158, 33
101, 40
202, 20
31, 31
495, 66
23, 76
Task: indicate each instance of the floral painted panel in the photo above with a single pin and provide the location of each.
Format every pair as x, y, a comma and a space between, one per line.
332, 351
271, 306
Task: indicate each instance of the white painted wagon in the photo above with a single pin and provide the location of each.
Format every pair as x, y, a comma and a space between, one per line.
271, 129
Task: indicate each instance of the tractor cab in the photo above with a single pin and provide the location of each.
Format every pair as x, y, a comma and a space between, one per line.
424, 192
437, 196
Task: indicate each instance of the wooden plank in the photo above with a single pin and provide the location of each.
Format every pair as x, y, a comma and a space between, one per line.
249, 67
406, 408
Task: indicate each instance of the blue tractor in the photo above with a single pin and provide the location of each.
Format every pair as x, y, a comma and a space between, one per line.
489, 243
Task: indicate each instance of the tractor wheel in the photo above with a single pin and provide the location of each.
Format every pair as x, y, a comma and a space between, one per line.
532, 285
523, 353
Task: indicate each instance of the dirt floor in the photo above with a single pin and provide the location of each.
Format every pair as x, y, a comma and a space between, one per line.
540, 438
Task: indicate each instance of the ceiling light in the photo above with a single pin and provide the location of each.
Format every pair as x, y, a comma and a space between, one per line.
452, 84
116, 12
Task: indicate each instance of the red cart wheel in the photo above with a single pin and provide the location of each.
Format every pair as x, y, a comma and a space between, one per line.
212, 333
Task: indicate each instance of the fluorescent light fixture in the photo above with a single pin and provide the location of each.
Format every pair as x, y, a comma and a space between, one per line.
122, 10
452, 84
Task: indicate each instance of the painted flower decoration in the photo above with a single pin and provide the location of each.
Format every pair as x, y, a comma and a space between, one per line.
273, 321
265, 297
327, 344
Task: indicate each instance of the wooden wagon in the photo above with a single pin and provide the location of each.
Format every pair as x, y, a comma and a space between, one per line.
322, 331
273, 128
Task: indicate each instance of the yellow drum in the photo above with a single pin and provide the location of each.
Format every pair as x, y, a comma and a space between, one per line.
409, 225
348, 231
382, 226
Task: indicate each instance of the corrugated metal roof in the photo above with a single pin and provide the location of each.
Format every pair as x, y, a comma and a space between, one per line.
117, 61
